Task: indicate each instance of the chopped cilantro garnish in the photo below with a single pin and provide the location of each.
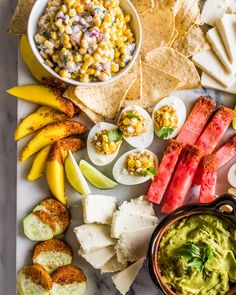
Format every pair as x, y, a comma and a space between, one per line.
114, 135
152, 171
164, 132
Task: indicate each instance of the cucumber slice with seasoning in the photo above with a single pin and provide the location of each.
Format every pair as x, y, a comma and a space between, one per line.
75, 176
95, 177
37, 230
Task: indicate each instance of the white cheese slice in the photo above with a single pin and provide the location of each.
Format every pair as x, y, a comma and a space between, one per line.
113, 265
210, 63
217, 45
213, 10
132, 245
124, 279
98, 208
98, 257
139, 206
211, 83
94, 236
124, 221
227, 28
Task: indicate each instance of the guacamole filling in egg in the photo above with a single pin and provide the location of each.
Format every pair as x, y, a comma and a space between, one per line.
107, 142
165, 120
197, 255
132, 124
141, 164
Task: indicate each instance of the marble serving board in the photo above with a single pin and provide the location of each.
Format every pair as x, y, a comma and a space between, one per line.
30, 193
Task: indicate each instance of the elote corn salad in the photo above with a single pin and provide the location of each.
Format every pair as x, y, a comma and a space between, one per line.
85, 40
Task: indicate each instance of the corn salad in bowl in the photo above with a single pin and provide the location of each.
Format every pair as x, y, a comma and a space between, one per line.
85, 40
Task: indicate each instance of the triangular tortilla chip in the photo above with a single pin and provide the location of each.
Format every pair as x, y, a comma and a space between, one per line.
173, 4
187, 15
156, 85
175, 64
135, 91
174, 37
193, 42
70, 94
142, 5
158, 27
105, 100
18, 25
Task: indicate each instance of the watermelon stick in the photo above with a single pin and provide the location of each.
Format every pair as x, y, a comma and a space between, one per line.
196, 121
215, 130
226, 153
183, 178
165, 170
207, 172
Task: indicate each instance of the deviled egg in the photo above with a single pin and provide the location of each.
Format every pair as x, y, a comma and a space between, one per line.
136, 126
103, 143
232, 175
168, 117
135, 166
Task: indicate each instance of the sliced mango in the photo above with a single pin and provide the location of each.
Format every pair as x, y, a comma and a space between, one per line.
43, 95
55, 173
49, 134
234, 119
37, 120
38, 167
36, 69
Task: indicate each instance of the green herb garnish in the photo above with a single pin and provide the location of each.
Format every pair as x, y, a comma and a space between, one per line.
152, 171
196, 258
65, 58
114, 135
164, 132
132, 115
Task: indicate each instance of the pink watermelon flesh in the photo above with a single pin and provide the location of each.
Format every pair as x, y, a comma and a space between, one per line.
226, 153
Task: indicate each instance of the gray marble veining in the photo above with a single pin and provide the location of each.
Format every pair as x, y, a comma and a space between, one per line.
8, 77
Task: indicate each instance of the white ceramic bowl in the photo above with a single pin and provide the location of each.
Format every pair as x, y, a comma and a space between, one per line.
128, 8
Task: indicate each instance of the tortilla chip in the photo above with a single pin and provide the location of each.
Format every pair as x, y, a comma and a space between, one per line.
135, 91
174, 37
70, 94
105, 100
18, 25
175, 64
193, 42
158, 27
143, 5
173, 4
156, 85
232, 191
187, 16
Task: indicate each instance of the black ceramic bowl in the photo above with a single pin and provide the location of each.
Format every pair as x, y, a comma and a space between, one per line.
213, 208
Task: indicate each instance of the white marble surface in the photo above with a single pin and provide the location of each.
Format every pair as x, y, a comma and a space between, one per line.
8, 77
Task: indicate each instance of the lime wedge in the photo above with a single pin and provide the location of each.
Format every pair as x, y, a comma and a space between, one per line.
234, 119
75, 176
95, 177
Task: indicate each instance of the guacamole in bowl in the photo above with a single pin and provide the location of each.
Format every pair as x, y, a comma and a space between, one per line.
197, 255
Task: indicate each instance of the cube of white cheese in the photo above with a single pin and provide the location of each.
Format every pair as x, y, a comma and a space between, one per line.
209, 82
124, 279
227, 28
213, 10
98, 208
217, 45
132, 245
209, 63
98, 258
94, 236
124, 221
113, 265
139, 206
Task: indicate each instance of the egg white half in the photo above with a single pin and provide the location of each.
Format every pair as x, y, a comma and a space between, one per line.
232, 175
94, 156
121, 174
144, 140
179, 106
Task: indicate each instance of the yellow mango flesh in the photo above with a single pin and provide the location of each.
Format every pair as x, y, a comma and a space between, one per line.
39, 164
55, 179
37, 120
50, 134
31, 61
42, 95
234, 119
